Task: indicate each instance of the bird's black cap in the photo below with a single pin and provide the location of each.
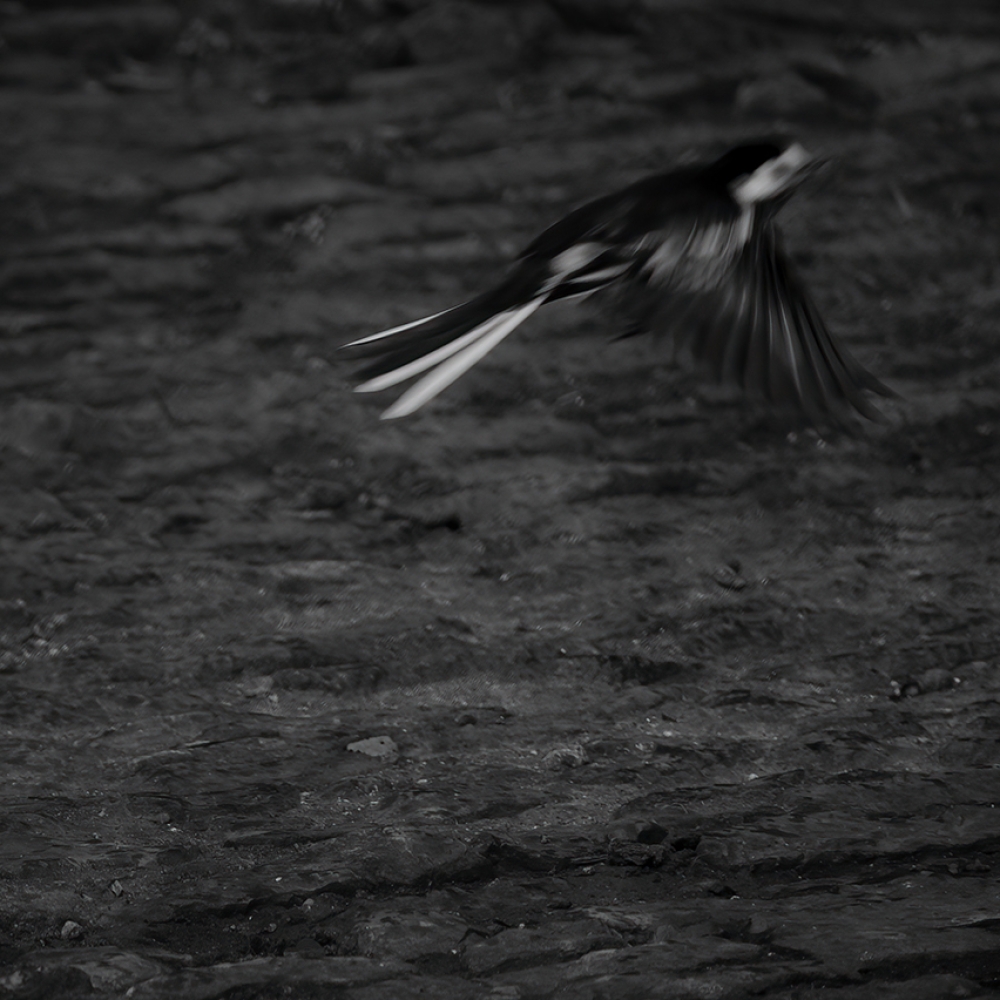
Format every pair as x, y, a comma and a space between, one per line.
745, 159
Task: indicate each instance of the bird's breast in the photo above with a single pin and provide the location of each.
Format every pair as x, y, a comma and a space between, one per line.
697, 259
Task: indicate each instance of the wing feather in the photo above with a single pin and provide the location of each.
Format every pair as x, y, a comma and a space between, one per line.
764, 334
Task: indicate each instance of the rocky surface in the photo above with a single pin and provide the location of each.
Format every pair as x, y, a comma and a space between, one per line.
587, 682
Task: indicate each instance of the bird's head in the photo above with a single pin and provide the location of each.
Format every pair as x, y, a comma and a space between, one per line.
764, 172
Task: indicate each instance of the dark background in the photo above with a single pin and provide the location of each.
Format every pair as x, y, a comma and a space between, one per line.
585, 682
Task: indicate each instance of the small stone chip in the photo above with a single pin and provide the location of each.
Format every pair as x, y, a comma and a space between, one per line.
573, 755
374, 746
935, 679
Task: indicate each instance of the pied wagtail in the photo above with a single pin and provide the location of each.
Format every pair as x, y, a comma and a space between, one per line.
694, 253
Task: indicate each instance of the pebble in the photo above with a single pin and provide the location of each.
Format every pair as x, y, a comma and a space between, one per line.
785, 94
935, 679
573, 755
71, 931
374, 746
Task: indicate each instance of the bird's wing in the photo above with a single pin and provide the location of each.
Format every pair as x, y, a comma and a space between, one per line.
678, 199
659, 226
749, 320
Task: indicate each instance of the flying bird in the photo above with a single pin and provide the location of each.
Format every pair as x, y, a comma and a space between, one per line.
694, 253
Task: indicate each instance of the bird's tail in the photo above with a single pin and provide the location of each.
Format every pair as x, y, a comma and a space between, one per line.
447, 344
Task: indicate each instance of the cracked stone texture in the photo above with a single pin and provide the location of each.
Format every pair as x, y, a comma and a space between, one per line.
586, 682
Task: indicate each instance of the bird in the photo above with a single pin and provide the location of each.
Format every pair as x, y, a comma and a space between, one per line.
693, 253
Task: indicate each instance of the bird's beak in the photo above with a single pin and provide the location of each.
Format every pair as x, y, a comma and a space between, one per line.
803, 164
777, 178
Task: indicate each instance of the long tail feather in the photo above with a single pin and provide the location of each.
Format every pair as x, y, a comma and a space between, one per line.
425, 361
452, 368
392, 331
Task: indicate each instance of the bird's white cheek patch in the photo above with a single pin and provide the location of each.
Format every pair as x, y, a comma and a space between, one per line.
771, 178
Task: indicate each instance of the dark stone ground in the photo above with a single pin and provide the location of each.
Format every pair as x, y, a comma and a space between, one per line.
584, 683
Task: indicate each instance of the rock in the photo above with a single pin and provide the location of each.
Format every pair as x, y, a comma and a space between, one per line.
557, 940
71, 931
104, 969
782, 95
624, 854
728, 577
374, 746
198, 172
571, 755
842, 87
67, 983
308, 948
637, 831
411, 936
262, 975
34, 426
935, 679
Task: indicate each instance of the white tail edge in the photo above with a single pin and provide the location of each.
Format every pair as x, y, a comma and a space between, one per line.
398, 329
401, 374
446, 373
